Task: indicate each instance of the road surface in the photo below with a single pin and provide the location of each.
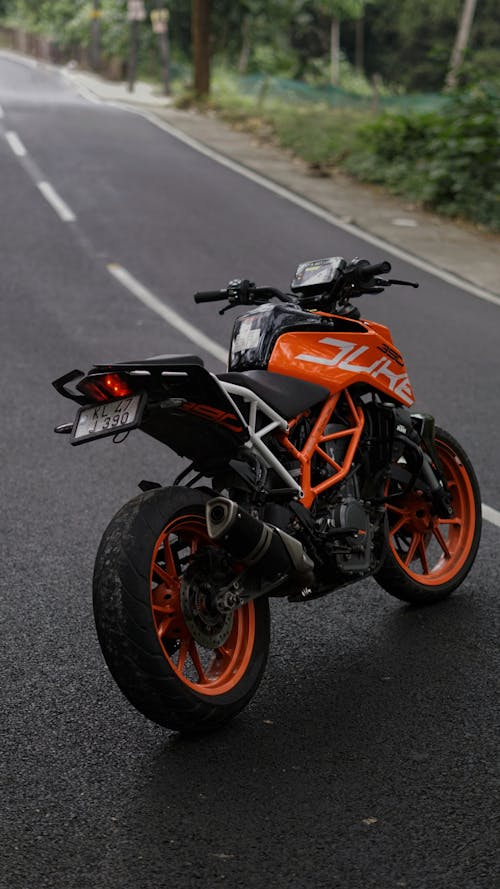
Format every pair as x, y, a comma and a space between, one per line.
367, 759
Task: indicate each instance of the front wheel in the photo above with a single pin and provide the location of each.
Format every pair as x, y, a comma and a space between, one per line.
428, 557
179, 663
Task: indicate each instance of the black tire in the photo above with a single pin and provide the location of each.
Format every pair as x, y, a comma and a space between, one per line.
445, 550
140, 624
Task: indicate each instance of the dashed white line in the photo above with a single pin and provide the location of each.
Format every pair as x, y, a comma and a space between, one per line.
169, 315
50, 194
491, 515
16, 144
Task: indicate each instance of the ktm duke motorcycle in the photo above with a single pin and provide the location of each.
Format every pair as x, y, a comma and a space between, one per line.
307, 471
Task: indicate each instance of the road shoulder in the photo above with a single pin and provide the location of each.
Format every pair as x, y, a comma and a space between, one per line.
459, 248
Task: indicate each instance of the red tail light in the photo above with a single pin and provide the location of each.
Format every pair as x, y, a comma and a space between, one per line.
104, 387
115, 385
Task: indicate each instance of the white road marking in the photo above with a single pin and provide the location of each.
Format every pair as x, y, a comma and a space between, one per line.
491, 515
1, 112
21, 60
169, 315
82, 90
16, 144
50, 194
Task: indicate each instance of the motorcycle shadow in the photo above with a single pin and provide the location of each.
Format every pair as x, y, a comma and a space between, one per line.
347, 674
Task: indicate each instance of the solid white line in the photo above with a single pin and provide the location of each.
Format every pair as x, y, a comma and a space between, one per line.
16, 144
86, 94
57, 203
22, 60
169, 315
491, 515
315, 209
82, 90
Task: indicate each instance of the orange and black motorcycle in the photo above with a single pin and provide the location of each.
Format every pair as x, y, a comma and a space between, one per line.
307, 471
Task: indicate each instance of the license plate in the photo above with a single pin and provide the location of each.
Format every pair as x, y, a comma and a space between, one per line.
110, 418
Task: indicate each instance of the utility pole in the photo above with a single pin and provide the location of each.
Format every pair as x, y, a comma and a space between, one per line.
136, 13
461, 42
200, 27
95, 35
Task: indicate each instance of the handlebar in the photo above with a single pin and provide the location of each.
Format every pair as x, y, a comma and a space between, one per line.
364, 272
352, 280
243, 293
210, 296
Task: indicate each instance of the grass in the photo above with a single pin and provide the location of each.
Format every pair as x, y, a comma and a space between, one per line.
315, 132
445, 159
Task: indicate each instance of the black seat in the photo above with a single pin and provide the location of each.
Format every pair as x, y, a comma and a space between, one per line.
165, 359
287, 395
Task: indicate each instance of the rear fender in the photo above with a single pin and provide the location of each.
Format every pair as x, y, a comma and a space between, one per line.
187, 409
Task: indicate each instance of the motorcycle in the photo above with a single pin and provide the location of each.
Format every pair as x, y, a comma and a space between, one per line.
307, 472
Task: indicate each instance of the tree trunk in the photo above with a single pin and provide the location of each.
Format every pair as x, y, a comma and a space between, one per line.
200, 24
245, 46
461, 41
334, 52
359, 59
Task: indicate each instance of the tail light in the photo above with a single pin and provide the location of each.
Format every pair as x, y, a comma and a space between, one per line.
105, 387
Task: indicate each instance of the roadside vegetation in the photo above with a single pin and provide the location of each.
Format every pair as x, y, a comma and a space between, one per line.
373, 87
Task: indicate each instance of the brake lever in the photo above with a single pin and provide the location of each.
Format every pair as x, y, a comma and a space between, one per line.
230, 306
238, 293
404, 283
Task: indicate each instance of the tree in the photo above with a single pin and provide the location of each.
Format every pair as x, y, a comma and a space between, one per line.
461, 41
200, 24
336, 10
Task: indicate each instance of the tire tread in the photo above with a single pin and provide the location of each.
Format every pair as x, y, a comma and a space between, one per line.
125, 624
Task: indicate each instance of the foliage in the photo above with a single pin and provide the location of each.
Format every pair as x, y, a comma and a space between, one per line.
447, 160
407, 42
341, 9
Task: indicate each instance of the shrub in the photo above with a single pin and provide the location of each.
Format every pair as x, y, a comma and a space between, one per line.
448, 160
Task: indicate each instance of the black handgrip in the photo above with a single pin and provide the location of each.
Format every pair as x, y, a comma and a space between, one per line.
367, 272
210, 296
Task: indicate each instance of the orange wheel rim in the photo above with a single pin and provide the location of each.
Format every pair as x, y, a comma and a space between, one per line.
209, 671
432, 550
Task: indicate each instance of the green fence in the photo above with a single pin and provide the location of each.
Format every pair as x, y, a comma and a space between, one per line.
295, 91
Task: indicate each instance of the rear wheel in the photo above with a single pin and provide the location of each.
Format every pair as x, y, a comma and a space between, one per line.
182, 664
428, 557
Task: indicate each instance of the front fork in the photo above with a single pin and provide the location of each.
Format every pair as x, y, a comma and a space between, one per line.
431, 471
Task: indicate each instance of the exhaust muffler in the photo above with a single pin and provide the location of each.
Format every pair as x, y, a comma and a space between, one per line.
270, 555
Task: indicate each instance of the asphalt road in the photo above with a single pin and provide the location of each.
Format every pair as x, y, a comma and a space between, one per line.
368, 757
